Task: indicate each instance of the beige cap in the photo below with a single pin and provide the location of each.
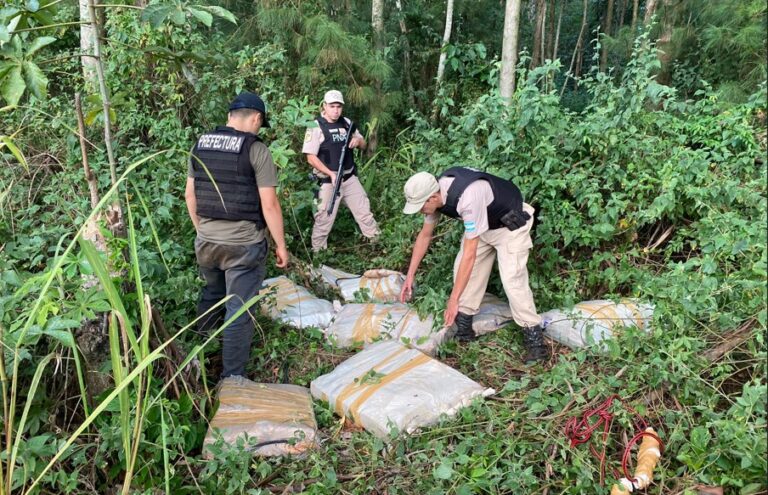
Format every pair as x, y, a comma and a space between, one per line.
417, 191
333, 96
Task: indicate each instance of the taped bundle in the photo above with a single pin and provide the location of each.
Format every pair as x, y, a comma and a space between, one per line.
295, 305
366, 323
331, 276
276, 419
380, 285
493, 314
390, 386
591, 322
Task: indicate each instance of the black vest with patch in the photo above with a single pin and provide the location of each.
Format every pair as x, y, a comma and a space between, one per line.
506, 196
235, 195
335, 134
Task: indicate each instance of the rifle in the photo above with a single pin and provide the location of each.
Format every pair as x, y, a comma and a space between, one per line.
340, 171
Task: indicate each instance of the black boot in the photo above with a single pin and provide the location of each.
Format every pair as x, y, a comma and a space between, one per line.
536, 349
464, 332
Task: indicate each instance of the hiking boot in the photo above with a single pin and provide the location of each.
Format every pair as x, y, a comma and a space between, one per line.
536, 349
464, 332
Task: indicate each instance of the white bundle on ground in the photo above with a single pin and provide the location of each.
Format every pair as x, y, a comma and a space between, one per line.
389, 386
278, 419
493, 314
381, 285
365, 323
593, 321
295, 305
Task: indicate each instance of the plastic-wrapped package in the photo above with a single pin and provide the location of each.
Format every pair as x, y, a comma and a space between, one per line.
365, 323
591, 322
278, 418
389, 385
381, 285
295, 305
493, 314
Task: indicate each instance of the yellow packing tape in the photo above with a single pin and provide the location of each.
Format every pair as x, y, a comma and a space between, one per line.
601, 312
251, 404
365, 390
354, 408
355, 386
368, 325
288, 294
379, 288
632, 307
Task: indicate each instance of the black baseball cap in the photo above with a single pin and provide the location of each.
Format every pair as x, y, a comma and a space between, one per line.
246, 99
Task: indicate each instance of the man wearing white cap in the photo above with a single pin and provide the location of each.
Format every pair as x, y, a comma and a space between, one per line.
497, 223
323, 146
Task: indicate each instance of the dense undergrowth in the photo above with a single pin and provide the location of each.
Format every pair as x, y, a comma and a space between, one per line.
641, 194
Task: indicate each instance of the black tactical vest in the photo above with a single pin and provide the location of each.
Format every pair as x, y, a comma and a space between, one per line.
226, 154
333, 143
506, 196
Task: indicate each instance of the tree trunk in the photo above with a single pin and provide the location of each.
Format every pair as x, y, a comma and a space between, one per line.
572, 69
114, 211
509, 49
606, 32
538, 33
557, 33
446, 39
622, 13
582, 36
650, 9
662, 43
87, 39
406, 55
550, 31
377, 21
635, 8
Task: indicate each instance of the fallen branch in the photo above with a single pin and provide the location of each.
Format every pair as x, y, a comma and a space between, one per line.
731, 340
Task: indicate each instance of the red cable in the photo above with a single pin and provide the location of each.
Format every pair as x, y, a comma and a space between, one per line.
580, 431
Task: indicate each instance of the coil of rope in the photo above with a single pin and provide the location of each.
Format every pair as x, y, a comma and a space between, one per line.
580, 430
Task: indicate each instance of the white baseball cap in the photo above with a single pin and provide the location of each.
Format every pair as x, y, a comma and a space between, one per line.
417, 191
333, 96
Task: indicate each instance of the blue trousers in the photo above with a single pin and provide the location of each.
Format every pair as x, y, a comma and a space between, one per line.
236, 271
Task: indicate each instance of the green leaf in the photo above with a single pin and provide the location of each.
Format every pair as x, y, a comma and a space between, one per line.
102, 272
36, 80
39, 43
15, 151
155, 14
63, 336
178, 16
478, 472
201, 15
5, 36
61, 324
219, 12
12, 86
443, 472
90, 118
751, 489
45, 16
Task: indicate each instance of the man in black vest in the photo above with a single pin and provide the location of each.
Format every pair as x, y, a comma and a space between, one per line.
497, 223
232, 201
323, 146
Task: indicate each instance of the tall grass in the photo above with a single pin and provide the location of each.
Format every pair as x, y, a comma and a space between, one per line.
131, 355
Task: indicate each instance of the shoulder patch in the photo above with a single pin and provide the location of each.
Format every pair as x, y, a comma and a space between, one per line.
308, 136
220, 142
